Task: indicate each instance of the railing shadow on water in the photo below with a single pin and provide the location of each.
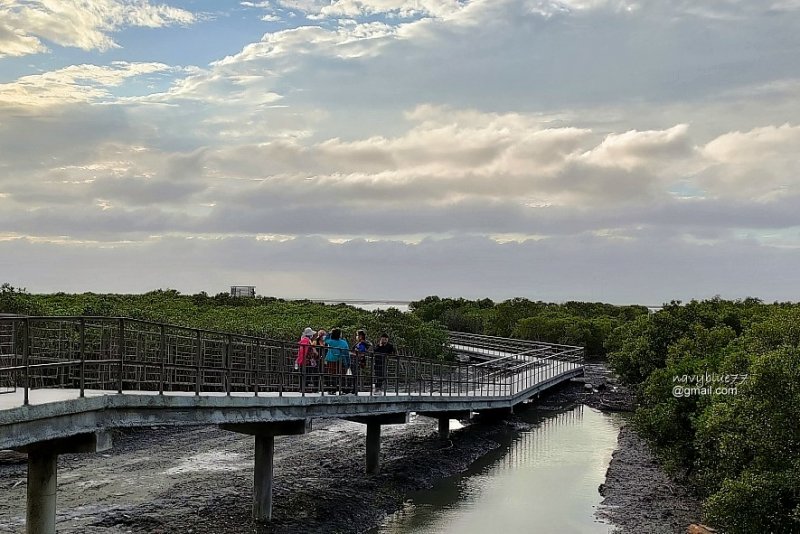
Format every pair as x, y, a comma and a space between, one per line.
131, 355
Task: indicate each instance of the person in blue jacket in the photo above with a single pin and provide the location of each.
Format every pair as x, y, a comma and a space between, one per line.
337, 358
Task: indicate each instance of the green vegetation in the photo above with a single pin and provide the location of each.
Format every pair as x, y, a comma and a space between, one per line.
262, 316
586, 324
738, 448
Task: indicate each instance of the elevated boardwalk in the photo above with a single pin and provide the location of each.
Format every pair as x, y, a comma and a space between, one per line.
70, 379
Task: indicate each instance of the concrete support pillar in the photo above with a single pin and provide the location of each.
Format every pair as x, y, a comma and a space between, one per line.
40, 515
444, 428
374, 423
495, 414
444, 420
262, 480
42, 482
264, 457
373, 447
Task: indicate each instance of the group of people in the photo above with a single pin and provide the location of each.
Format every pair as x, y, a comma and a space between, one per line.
329, 355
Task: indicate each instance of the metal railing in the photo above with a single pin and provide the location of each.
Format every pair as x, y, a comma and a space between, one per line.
130, 355
8, 357
502, 344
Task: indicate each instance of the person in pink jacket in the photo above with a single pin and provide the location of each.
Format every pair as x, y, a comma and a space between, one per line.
305, 351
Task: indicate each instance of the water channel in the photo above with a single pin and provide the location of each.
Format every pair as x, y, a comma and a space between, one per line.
541, 480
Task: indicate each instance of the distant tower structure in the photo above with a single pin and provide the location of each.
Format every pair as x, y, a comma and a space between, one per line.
243, 291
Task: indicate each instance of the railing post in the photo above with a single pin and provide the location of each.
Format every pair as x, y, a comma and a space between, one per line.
340, 371
281, 368
248, 372
355, 364
405, 377
163, 354
526, 380
83, 354
228, 364
397, 375
450, 381
370, 372
198, 356
431, 391
26, 340
258, 355
303, 371
15, 352
121, 352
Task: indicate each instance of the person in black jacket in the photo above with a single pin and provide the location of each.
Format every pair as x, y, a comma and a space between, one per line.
383, 350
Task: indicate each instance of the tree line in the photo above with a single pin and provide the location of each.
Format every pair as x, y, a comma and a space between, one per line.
738, 448
586, 324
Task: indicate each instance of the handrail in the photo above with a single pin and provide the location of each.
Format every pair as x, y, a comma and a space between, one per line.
505, 339
128, 354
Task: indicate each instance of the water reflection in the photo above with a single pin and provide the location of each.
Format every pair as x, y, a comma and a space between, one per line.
543, 480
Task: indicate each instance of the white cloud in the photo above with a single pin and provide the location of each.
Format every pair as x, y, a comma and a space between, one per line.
401, 8
347, 42
511, 173
72, 84
755, 145
761, 163
637, 149
15, 42
78, 23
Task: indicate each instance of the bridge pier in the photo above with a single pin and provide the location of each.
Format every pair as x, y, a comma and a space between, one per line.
495, 413
444, 428
374, 423
262, 477
40, 514
444, 420
373, 457
263, 470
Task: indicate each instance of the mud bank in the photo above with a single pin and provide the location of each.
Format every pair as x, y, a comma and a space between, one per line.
639, 497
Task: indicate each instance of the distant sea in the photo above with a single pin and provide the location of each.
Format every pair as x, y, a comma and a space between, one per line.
401, 305
371, 305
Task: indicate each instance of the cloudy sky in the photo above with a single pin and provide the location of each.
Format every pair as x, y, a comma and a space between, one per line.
616, 150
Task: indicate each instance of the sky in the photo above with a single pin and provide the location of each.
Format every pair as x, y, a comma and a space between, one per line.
613, 150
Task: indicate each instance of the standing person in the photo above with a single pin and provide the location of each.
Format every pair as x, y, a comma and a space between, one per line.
318, 341
361, 348
383, 350
306, 356
337, 357
304, 352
